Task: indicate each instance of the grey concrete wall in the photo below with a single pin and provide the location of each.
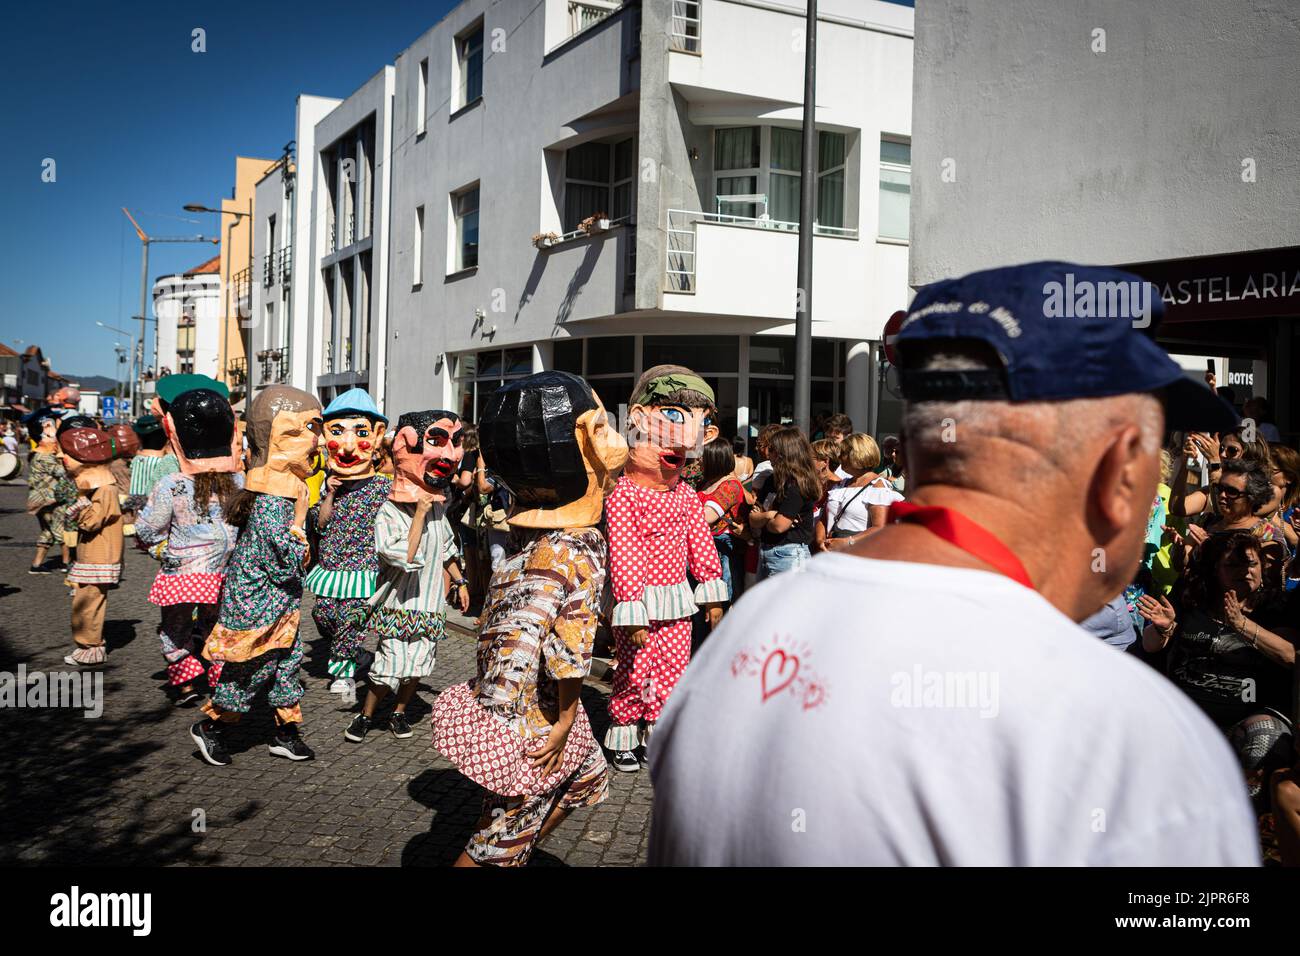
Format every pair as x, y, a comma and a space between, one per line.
533, 100
1126, 155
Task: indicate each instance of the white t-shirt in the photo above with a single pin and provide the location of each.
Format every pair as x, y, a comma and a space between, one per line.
11, 444
849, 508
867, 712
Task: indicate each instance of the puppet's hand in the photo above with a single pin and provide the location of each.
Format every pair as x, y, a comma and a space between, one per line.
637, 635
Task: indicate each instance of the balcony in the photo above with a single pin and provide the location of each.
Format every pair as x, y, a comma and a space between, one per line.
268, 270
241, 283
237, 372
587, 13
682, 239
284, 264
275, 366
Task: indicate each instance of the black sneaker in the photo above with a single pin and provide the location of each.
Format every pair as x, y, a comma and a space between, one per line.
641, 757
626, 761
400, 726
39, 568
288, 743
208, 739
358, 729
57, 565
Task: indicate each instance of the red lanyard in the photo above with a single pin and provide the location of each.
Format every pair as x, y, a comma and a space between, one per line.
957, 529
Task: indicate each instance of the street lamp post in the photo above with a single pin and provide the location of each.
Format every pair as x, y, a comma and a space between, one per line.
130, 385
230, 274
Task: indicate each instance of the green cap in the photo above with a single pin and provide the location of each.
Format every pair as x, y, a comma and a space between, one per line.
172, 387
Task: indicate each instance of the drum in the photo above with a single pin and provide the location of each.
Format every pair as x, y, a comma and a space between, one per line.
10, 466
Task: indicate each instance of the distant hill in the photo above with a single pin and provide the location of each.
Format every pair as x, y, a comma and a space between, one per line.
93, 383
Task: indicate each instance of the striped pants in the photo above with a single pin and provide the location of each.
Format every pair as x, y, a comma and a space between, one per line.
400, 658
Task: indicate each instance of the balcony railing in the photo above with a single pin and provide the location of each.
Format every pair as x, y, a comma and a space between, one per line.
241, 281
352, 228
327, 357
268, 270
684, 31
275, 366
680, 253
237, 371
586, 13
285, 264
332, 238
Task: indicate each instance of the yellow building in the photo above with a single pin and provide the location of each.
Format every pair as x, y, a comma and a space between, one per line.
237, 273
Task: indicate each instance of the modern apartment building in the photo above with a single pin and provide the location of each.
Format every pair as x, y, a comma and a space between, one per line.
672, 130
349, 241
282, 222
188, 307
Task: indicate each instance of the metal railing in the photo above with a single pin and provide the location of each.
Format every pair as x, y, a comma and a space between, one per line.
275, 366
352, 228
332, 237
327, 357
679, 266
586, 13
284, 264
237, 371
684, 29
242, 283
268, 270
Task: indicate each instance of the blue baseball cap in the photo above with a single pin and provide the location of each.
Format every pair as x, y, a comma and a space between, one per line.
1061, 331
356, 401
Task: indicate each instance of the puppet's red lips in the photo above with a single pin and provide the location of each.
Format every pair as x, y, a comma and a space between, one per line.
347, 459
672, 460
439, 471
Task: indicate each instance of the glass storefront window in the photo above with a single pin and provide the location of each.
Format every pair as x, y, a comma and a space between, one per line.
519, 361
566, 356
611, 355
704, 353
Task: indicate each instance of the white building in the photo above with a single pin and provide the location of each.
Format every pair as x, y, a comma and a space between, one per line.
187, 306
281, 299
514, 119
1162, 136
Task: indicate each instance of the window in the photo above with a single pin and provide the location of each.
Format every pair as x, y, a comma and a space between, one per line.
417, 249
469, 63
465, 210
422, 98
768, 161
895, 188
599, 177
735, 167
480, 374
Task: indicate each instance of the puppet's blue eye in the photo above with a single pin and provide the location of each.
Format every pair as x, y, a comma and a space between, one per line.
673, 415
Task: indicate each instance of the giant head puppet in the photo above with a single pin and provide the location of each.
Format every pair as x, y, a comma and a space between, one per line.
284, 429
670, 419
354, 431
426, 455
201, 429
87, 450
548, 438
43, 425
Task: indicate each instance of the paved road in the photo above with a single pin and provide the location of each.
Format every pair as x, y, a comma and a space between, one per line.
129, 787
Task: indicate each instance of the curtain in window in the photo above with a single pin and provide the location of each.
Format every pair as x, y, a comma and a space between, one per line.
783, 204
735, 148
582, 200
738, 186
787, 147
830, 150
590, 161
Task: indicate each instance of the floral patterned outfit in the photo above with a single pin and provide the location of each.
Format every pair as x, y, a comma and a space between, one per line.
539, 627
255, 640
195, 548
655, 537
48, 497
346, 569
408, 610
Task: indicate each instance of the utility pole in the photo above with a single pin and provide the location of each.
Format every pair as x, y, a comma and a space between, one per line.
807, 209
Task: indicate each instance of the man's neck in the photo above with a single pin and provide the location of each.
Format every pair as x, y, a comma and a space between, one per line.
1016, 525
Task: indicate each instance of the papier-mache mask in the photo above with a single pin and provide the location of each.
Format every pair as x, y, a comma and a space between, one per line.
354, 430
426, 455
671, 418
548, 438
87, 450
201, 428
284, 428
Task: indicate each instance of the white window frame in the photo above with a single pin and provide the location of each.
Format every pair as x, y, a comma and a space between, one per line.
417, 250
422, 98
896, 168
764, 172
460, 58
455, 224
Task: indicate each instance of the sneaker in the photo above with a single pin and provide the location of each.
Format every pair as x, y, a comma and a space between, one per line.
57, 565
626, 761
289, 744
642, 760
39, 569
188, 698
400, 726
344, 685
208, 739
358, 729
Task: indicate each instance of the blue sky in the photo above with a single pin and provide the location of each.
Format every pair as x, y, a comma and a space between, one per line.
133, 117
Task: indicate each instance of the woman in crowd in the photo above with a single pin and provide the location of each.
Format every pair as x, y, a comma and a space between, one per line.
49, 493
860, 504
826, 458
1232, 650
784, 519
723, 497
1286, 490
744, 464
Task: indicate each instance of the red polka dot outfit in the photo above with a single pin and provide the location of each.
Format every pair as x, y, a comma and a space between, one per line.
655, 537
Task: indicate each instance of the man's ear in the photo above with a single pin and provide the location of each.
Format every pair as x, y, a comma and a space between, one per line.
1120, 479
710, 433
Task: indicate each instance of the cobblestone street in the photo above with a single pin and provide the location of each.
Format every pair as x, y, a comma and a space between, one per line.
128, 787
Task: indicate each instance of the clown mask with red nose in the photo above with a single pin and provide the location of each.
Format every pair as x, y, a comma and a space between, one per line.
354, 431
426, 456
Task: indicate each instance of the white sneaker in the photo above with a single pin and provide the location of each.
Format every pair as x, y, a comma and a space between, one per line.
345, 686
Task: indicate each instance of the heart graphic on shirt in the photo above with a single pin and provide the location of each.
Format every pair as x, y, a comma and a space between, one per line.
779, 672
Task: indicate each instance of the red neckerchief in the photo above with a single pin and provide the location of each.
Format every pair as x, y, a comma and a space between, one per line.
955, 528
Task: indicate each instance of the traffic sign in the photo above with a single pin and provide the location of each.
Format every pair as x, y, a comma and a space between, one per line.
890, 334
108, 406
